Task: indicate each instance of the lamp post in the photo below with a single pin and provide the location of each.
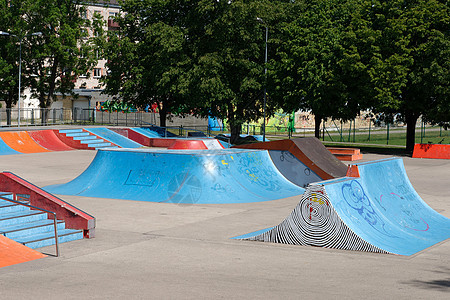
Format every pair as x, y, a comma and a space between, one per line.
20, 63
265, 77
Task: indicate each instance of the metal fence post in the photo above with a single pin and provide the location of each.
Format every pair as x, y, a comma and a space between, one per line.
387, 137
349, 131
422, 131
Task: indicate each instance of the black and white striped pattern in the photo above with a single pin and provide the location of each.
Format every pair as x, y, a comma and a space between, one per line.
314, 222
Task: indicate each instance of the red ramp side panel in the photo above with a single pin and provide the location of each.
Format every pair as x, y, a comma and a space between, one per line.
49, 140
138, 138
21, 141
309, 151
188, 144
12, 253
436, 151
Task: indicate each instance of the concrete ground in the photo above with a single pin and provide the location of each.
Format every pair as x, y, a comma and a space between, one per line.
145, 250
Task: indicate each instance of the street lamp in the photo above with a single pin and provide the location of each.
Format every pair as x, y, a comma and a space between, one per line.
20, 63
265, 77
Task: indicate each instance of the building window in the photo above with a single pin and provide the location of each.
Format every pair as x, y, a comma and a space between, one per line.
97, 72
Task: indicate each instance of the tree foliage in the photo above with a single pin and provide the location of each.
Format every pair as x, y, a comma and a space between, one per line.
149, 56
411, 73
10, 22
321, 66
63, 52
227, 77
339, 57
52, 61
199, 57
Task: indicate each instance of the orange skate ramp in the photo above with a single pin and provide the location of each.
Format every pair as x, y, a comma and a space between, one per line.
310, 151
12, 253
436, 151
21, 141
49, 140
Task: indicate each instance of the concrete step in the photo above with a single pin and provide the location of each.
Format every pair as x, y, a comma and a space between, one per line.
84, 138
47, 239
31, 228
21, 217
78, 134
70, 130
95, 140
10, 207
100, 145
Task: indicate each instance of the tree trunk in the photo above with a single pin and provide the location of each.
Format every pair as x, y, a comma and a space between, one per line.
43, 107
9, 102
162, 115
411, 121
235, 130
317, 122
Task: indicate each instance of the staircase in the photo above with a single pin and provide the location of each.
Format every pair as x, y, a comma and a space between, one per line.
81, 139
32, 228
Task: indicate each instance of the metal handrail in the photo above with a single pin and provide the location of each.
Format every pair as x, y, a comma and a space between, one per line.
37, 208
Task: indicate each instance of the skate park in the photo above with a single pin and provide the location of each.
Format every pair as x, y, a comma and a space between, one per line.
185, 250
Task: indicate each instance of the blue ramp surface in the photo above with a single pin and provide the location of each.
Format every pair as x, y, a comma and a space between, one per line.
5, 149
145, 132
181, 176
160, 131
378, 212
114, 137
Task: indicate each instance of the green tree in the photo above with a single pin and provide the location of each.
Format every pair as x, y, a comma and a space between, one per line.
319, 67
63, 52
411, 73
11, 23
149, 56
227, 77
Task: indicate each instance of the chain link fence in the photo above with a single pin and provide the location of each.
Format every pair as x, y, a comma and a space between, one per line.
360, 130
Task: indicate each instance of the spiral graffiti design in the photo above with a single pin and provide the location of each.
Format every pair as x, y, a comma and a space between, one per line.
314, 222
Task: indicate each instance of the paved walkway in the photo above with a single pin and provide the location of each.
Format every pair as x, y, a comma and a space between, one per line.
145, 250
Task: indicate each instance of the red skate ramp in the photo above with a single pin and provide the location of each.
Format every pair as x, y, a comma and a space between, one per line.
12, 253
310, 151
436, 151
49, 140
22, 142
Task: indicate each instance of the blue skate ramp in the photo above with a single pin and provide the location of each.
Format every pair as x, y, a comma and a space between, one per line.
160, 131
145, 132
181, 176
378, 212
113, 137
